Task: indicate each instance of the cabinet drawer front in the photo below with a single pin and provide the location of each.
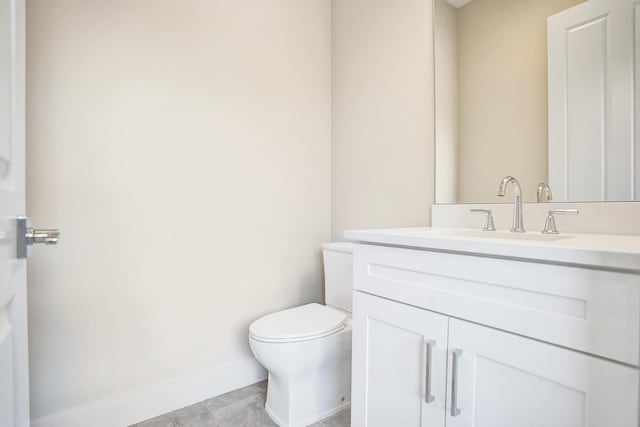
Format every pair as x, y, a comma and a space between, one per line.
588, 310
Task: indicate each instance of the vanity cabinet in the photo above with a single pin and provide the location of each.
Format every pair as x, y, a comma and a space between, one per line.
445, 339
404, 373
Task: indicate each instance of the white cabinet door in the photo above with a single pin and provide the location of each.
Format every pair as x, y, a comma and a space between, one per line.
505, 380
392, 376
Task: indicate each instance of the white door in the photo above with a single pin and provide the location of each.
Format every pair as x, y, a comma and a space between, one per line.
14, 234
14, 379
504, 380
591, 100
399, 364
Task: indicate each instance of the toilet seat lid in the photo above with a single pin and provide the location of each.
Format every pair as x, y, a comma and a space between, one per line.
298, 323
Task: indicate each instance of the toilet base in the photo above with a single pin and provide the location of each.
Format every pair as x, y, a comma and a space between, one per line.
309, 380
309, 421
303, 399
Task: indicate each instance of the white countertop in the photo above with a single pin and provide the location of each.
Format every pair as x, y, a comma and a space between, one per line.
602, 251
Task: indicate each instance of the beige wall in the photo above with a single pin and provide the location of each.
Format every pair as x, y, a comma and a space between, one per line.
446, 101
503, 95
184, 152
383, 168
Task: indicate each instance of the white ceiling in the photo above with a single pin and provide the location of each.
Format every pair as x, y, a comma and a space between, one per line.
458, 3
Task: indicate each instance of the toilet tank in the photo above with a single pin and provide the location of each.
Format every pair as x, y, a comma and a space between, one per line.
338, 274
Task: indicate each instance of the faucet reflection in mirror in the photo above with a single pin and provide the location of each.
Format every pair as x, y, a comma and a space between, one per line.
543, 193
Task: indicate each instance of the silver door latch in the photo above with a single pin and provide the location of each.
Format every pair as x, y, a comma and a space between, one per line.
28, 236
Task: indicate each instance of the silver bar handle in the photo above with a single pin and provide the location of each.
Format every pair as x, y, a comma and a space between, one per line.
455, 411
428, 397
564, 211
550, 223
488, 220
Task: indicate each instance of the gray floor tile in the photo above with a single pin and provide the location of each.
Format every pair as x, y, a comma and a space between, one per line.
341, 419
245, 413
244, 392
214, 404
239, 408
194, 415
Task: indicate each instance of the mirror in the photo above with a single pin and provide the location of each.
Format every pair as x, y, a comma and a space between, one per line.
542, 90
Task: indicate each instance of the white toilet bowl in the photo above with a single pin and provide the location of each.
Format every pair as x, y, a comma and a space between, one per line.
307, 351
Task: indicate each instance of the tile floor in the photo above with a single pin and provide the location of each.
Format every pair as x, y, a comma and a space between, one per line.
239, 408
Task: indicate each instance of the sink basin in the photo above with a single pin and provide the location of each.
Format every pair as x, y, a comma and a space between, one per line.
503, 235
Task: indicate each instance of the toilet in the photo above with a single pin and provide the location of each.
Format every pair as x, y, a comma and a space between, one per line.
307, 349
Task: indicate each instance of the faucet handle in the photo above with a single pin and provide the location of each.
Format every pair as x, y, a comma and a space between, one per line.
488, 220
550, 222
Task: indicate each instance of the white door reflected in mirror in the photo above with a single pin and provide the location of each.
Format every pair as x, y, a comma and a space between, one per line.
591, 145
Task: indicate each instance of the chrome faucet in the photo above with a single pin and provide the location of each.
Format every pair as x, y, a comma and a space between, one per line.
543, 194
517, 226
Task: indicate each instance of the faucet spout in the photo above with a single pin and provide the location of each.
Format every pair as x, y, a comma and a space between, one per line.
518, 222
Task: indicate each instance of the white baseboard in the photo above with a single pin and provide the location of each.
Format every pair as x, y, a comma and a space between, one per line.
149, 402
